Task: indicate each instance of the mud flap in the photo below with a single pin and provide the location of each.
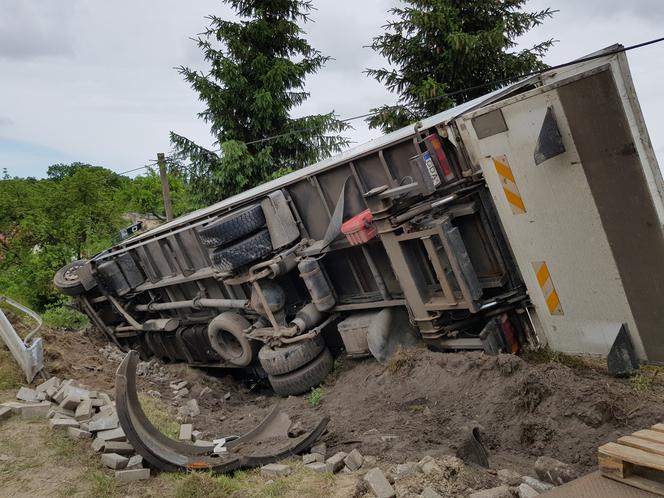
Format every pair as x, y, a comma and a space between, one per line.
621, 360
387, 331
266, 443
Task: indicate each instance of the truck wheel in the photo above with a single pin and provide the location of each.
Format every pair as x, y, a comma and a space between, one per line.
226, 336
246, 251
233, 226
66, 279
303, 379
282, 360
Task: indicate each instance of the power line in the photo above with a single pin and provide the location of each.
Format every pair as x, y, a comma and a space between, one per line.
455, 92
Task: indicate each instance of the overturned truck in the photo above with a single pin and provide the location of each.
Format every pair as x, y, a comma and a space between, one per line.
530, 215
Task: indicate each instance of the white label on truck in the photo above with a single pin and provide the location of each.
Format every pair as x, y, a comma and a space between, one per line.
431, 167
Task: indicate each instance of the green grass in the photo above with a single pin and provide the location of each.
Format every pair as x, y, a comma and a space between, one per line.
315, 397
161, 415
11, 376
204, 484
547, 355
63, 317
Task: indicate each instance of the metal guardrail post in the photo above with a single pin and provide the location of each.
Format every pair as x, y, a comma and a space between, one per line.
28, 352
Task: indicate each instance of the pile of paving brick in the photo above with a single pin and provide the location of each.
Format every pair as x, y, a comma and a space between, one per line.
83, 414
385, 484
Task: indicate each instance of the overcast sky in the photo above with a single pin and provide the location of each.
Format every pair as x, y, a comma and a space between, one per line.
95, 82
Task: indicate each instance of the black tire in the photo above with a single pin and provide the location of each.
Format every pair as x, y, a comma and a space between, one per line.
286, 359
303, 379
232, 227
244, 252
226, 336
66, 280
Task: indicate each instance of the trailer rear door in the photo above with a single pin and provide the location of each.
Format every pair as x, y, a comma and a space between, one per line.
578, 190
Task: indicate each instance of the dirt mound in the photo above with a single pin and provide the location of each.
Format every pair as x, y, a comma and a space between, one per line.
422, 403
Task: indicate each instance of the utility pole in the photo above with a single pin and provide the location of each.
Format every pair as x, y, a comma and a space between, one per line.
165, 189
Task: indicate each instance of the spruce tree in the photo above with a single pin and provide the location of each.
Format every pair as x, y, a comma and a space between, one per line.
258, 66
437, 47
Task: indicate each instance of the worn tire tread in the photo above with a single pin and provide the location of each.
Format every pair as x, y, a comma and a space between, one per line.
232, 227
286, 359
246, 251
305, 378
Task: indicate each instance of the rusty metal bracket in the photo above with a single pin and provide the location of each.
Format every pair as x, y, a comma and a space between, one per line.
267, 443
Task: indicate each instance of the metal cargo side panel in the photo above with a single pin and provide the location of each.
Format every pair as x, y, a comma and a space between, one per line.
579, 210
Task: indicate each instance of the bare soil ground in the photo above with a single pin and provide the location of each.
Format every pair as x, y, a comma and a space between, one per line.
418, 404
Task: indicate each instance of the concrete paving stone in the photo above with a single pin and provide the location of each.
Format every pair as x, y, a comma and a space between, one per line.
98, 444
52, 383
406, 469
80, 392
135, 462
497, 492
70, 402
93, 394
190, 409
104, 423
203, 442
429, 493
84, 410
320, 448
185, 432
317, 467
525, 491
26, 394
62, 423
114, 461
196, 435
41, 396
14, 405
181, 393
62, 391
76, 433
96, 402
132, 475
312, 458
105, 398
537, 485
335, 462
112, 435
36, 410
5, 412
379, 484
275, 470
50, 392
354, 460
119, 447
204, 392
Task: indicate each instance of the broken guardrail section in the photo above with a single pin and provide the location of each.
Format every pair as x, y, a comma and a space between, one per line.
28, 352
266, 443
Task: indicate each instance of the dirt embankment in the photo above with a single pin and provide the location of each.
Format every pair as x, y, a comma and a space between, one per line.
418, 404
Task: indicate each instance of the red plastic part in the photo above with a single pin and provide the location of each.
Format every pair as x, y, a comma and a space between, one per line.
448, 174
359, 229
509, 334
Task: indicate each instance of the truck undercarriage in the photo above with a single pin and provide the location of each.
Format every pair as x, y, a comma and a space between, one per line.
405, 238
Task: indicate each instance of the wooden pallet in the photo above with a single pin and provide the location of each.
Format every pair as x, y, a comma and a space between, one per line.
637, 460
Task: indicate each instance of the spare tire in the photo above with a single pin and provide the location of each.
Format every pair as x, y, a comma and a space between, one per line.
303, 379
244, 252
282, 360
232, 226
227, 338
66, 279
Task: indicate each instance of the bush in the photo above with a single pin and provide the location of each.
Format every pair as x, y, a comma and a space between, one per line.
63, 317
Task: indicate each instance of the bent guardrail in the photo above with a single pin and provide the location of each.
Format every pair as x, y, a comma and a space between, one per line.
28, 352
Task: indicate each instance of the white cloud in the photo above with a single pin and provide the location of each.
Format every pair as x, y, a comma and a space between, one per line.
96, 80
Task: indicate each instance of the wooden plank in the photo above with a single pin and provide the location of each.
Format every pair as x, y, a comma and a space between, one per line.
641, 483
654, 436
613, 467
643, 444
658, 427
632, 455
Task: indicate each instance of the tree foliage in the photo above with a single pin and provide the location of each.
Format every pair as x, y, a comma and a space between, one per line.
74, 213
440, 47
258, 66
